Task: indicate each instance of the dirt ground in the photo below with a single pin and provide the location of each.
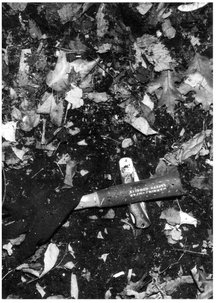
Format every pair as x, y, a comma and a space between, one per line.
102, 248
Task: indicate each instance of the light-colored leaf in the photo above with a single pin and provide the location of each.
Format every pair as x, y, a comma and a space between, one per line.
8, 131
18, 240
17, 6
69, 12
191, 6
34, 30
86, 274
171, 215
159, 54
70, 172
102, 23
83, 67
143, 8
74, 96
98, 97
8, 247
58, 78
77, 46
19, 152
99, 235
170, 95
69, 265
40, 290
50, 258
74, 291
141, 125
30, 120
186, 150
187, 219
127, 142
147, 101
109, 215
103, 257
103, 48
118, 274
57, 112
167, 29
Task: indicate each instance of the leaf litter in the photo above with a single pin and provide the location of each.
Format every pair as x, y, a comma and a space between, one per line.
100, 82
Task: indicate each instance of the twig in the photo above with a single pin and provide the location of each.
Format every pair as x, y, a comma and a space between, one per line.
37, 173
191, 251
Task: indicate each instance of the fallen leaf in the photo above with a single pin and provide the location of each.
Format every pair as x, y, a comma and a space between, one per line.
103, 48
119, 274
58, 78
167, 29
127, 142
69, 12
102, 23
18, 240
141, 125
99, 235
20, 152
50, 258
191, 6
197, 83
159, 54
29, 121
64, 159
82, 143
108, 294
143, 8
77, 46
69, 265
187, 149
8, 131
86, 274
56, 297
8, 247
70, 172
98, 97
74, 96
34, 30
109, 215
103, 257
177, 217
170, 94
84, 172
93, 217
56, 113
74, 287
40, 290
83, 67
17, 6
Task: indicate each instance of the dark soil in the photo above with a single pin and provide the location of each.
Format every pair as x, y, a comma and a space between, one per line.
102, 126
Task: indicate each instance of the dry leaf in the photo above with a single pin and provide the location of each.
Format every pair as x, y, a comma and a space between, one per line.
141, 125
70, 172
99, 235
74, 287
203, 282
197, 83
109, 215
8, 131
74, 96
187, 149
167, 29
69, 265
86, 274
103, 257
170, 95
17, 6
143, 8
98, 97
177, 217
202, 65
127, 142
191, 6
102, 23
83, 67
56, 113
50, 258
77, 46
40, 290
103, 48
159, 54
58, 78
69, 12
34, 30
